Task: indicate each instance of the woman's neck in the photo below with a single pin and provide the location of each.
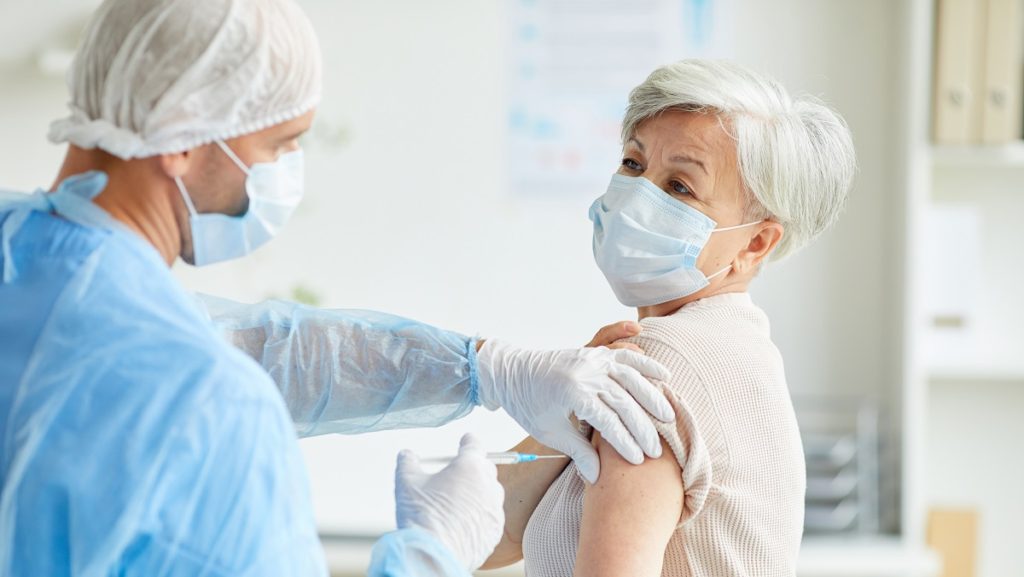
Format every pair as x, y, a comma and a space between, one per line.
671, 307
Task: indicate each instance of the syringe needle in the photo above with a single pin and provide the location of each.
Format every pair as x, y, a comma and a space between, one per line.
503, 458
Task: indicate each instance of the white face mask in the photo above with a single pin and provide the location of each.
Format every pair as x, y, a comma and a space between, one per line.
647, 243
274, 190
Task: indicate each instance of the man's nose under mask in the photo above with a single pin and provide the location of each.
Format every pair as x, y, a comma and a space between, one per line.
274, 190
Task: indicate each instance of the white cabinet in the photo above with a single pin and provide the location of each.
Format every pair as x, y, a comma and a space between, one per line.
963, 377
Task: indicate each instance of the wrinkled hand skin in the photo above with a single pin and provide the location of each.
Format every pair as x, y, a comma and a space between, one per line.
610, 335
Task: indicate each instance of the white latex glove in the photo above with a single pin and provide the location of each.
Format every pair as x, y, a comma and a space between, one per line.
609, 389
461, 505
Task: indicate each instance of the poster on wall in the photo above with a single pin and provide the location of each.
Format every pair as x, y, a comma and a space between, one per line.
572, 64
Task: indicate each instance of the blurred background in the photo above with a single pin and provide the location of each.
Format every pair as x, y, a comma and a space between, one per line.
461, 142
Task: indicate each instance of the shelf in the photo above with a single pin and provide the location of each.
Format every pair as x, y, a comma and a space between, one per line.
854, 556
987, 358
983, 374
1007, 155
977, 365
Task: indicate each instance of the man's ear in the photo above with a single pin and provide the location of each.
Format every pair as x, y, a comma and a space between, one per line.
176, 165
760, 246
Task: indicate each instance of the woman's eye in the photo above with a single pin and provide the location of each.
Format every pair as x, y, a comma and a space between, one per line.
630, 164
677, 187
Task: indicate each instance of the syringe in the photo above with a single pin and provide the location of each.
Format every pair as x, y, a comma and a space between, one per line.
503, 458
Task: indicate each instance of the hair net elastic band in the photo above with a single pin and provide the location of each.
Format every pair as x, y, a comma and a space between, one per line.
84, 132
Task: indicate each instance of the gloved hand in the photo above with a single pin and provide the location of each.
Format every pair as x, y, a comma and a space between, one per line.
462, 505
541, 390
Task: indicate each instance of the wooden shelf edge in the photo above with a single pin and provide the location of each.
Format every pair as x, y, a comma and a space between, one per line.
976, 374
1006, 155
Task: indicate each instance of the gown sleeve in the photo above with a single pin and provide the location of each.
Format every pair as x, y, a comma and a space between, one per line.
353, 371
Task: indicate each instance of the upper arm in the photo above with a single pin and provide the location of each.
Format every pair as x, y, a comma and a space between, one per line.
629, 515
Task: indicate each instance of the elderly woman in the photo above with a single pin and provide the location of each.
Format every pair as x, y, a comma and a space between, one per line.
721, 170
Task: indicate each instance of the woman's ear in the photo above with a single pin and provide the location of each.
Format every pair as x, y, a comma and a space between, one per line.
760, 246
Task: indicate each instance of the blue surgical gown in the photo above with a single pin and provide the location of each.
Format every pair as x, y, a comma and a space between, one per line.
135, 440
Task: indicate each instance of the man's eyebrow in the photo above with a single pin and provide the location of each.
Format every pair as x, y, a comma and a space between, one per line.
294, 134
638, 144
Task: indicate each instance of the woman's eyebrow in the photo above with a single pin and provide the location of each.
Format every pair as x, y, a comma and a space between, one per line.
677, 159
683, 159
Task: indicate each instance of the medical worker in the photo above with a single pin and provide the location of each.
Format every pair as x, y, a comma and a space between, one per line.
134, 438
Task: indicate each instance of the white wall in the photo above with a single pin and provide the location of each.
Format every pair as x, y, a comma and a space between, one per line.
28, 101
411, 215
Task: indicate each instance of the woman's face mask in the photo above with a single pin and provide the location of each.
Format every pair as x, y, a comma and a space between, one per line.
274, 190
647, 243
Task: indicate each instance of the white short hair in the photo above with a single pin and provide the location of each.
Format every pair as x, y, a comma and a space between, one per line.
796, 155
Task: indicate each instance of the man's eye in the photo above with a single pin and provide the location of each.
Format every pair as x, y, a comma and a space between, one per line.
630, 164
677, 187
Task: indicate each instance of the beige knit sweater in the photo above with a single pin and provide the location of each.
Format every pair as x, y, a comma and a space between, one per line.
736, 440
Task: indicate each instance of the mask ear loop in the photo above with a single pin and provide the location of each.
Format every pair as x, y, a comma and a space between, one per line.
234, 157
738, 226
720, 273
184, 194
